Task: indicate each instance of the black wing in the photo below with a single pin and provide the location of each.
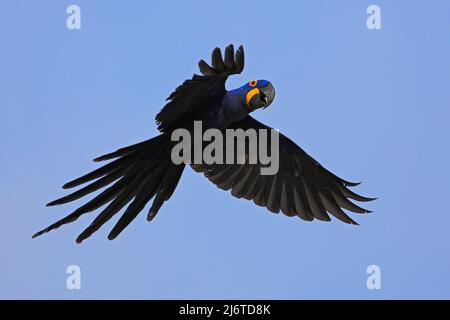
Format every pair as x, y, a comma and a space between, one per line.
143, 171
201, 91
302, 187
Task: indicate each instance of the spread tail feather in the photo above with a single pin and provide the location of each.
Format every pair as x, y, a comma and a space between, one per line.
139, 173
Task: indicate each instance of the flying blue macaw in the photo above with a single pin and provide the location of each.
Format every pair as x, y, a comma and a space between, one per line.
144, 171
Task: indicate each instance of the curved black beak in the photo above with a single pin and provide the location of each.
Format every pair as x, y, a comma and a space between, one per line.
267, 94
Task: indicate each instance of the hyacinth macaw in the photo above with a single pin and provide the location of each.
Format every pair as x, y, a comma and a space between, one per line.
144, 171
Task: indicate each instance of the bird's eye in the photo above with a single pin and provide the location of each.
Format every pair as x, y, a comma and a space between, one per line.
253, 83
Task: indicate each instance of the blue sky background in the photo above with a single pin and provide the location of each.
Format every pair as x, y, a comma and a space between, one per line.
369, 105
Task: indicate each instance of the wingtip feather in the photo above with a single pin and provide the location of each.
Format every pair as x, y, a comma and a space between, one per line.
151, 215
39, 233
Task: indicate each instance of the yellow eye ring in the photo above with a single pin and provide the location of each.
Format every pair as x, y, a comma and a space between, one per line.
253, 83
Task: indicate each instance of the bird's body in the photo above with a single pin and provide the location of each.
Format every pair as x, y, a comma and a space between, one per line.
231, 109
140, 172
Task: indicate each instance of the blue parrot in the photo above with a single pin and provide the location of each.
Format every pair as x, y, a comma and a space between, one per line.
144, 171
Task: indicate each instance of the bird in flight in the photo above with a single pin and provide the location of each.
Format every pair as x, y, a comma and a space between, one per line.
144, 171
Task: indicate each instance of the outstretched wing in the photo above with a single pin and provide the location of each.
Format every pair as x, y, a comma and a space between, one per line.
301, 187
201, 91
144, 171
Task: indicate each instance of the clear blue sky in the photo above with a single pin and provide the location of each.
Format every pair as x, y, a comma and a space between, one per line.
369, 105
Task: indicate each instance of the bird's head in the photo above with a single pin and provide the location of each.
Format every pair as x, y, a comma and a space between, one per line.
258, 94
